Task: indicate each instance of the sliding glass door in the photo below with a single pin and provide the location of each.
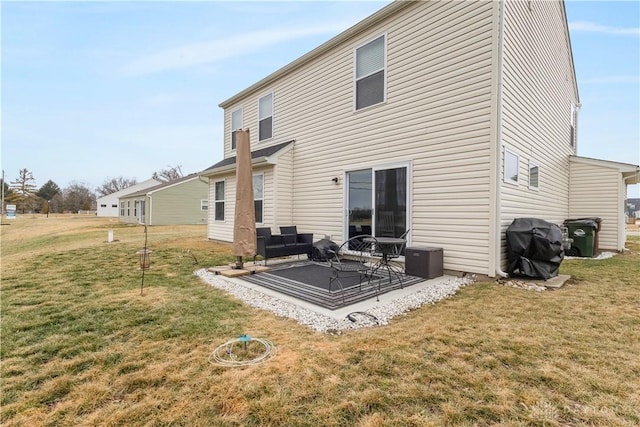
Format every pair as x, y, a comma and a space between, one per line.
390, 209
377, 201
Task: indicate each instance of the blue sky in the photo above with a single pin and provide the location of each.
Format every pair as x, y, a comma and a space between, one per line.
93, 90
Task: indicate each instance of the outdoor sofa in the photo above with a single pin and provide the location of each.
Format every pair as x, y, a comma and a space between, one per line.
288, 242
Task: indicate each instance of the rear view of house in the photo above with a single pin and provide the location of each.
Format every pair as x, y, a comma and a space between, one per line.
448, 119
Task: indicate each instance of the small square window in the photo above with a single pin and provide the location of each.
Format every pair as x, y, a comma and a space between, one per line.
534, 176
511, 167
204, 205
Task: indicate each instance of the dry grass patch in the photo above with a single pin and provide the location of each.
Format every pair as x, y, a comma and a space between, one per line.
81, 346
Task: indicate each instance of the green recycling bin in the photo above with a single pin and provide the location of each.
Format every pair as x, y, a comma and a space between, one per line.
583, 231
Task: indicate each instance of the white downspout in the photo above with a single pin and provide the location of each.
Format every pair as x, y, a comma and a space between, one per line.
498, 225
150, 208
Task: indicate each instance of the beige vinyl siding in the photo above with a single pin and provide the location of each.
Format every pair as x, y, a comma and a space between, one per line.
222, 230
283, 194
436, 118
593, 195
538, 89
178, 204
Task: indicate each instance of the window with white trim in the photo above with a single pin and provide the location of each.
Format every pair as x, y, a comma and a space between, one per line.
121, 208
236, 123
204, 205
572, 136
265, 117
258, 196
511, 167
370, 73
534, 175
219, 201
128, 208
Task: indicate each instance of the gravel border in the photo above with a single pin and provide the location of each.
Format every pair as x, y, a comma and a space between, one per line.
379, 315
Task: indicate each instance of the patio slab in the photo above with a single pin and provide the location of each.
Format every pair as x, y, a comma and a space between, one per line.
341, 313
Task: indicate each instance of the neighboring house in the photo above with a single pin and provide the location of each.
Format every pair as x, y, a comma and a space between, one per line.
108, 205
633, 208
446, 118
181, 201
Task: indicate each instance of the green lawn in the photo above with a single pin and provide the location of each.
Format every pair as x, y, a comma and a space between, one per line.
82, 346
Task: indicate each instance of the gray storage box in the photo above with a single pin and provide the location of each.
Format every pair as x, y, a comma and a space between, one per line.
423, 262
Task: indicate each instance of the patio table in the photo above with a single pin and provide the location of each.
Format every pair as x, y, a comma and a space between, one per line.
386, 247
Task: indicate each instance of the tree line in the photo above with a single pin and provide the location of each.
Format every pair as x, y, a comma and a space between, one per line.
50, 198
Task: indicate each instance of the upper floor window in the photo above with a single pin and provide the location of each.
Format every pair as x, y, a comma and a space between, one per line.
370, 73
219, 201
236, 123
534, 175
511, 166
265, 117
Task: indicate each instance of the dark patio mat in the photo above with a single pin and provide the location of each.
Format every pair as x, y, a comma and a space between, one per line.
309, 281
317, 275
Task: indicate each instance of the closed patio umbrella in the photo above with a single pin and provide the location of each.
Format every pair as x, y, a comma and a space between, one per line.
244, 225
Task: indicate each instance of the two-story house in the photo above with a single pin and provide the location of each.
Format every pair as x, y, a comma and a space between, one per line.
446, 118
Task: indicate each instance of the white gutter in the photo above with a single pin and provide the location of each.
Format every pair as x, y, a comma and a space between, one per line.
498, 215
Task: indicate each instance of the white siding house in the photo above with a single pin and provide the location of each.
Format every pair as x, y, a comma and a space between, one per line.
598, 189
108, 205
181, 201
446, 118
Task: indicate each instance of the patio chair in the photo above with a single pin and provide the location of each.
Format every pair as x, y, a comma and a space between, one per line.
353, 258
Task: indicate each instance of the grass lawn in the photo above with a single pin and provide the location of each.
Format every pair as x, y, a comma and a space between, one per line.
81, 345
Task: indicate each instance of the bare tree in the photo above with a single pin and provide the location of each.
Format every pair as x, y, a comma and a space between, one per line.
169, 174
23, 189
77, 196
111, 185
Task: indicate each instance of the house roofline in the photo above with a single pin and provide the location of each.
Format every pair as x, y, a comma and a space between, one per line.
163, 186
326, 46
573, 67
630, 172
263, 156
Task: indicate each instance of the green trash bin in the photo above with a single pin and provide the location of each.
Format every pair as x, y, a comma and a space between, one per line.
583, 231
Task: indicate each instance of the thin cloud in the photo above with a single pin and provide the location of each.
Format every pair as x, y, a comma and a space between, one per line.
592, 27
202, 53
611, 80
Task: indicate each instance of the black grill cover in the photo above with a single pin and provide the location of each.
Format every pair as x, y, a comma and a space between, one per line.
534, 248
321, 250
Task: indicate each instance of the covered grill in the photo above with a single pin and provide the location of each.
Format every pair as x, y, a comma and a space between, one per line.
534, 248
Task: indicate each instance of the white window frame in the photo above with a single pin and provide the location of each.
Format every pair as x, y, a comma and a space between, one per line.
263, 118
255, 199
356, 78
204, 204
216, 200
573, 125
235, 128
533, 164
121, 208
508, 152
